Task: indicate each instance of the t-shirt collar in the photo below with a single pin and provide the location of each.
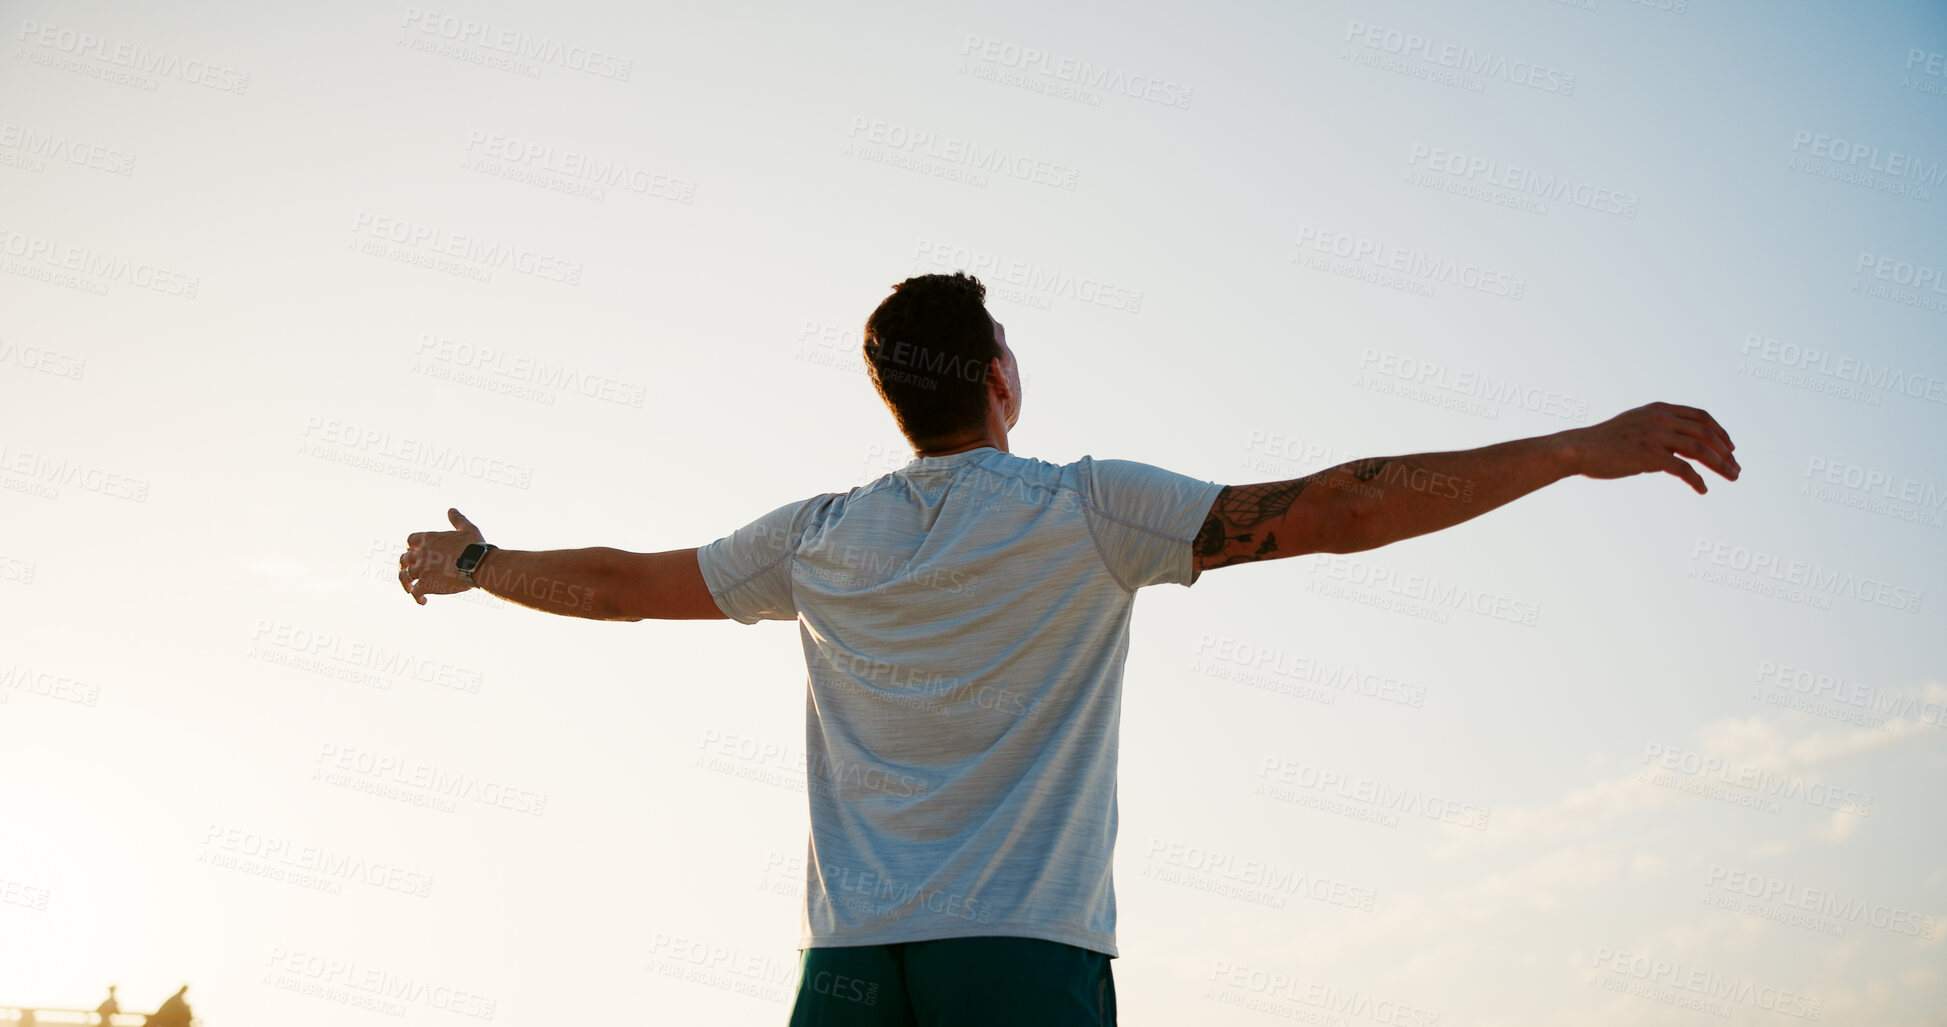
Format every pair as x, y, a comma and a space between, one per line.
952, 459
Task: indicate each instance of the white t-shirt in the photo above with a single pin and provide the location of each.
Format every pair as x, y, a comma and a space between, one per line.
965, 622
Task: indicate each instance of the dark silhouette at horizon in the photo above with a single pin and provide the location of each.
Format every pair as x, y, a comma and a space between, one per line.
173, 1012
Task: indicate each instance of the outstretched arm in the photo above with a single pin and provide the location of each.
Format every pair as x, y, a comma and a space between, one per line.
1369, 503
598, 583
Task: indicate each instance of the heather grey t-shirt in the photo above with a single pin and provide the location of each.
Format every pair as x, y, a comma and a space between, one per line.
965, 621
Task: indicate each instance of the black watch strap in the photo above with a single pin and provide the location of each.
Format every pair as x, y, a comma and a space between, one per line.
469, 560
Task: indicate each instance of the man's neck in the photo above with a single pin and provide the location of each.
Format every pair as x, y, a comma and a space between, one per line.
948, 449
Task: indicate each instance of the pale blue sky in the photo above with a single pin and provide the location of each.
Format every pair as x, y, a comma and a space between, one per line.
199, 490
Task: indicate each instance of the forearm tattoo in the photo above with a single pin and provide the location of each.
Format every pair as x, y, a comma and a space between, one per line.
1239, 527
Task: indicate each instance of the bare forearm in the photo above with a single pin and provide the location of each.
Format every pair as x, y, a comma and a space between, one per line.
570, 582
1387, 499
1369, 503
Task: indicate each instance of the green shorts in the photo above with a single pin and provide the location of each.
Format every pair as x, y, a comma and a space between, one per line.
955, 982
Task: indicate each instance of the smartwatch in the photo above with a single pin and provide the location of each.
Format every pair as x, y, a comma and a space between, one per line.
469, 560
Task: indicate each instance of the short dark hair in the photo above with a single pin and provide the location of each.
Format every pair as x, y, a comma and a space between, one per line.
928, 348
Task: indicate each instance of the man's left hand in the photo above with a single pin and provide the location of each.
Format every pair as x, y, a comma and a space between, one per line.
426, 567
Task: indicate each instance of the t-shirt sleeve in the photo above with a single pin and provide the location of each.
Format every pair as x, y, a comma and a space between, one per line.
1144, 518
749, 570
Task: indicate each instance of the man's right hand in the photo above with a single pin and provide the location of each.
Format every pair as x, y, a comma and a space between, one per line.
1652, 438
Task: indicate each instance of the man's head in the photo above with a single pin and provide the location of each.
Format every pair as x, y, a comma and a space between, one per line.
941, 363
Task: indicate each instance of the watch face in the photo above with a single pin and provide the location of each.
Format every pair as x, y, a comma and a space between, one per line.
470, 557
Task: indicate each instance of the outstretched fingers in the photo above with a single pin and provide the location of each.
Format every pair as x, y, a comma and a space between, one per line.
1689, 440
1678, 466
409, 577
1707, 424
